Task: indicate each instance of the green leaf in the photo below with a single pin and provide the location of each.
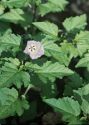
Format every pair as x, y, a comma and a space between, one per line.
10, 41
53, 50
50, 71
7, 95
10, 104
1, 9
48, 28
65, 104
11, 74
69, 49
14, 16
74, 82
75, 23
85, 106
32, 112
69, 52
7, 100
83, 93
52, 6
48, 90
21, 105
15, 3
62, 54
84, 62
71, 119
82, 41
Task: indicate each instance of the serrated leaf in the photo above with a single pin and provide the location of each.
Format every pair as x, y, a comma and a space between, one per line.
83, 62
15, 3
82, 41
62, 54
71, 119
10, 104
7, 95
7, 100
20, 106
69, 52
10, 41
52, 6
10, 74
83, 93
50, 71
65, 104
69, 49
75, 23
14, 16
53, 50
85, 106
48, 28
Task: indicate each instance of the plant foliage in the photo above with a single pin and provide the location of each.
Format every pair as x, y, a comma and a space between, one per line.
66, 58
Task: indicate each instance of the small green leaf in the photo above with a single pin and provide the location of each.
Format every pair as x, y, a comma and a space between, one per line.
15, 3
85, 106
10, 41
82, 41
83, 62
75, 23
14, 16
20, 106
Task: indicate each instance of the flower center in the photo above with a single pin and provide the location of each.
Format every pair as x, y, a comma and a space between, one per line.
32, 48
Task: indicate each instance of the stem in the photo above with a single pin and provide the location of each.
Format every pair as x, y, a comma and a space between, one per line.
28, 88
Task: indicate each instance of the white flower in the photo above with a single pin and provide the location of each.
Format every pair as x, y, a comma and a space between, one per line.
34, 49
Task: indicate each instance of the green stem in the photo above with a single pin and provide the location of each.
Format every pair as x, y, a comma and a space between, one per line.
28, 88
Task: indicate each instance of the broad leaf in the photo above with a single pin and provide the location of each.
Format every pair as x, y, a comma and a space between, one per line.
53, 50
50, 71
75, 23
15, 3
85, 106
14, 16
83, 62
83, 93
82, 41
7, 100
52, 6
65, 104
20, 105
48, 28
10, 74
10, 41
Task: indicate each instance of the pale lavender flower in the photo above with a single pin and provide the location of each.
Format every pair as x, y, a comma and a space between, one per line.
34, 49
